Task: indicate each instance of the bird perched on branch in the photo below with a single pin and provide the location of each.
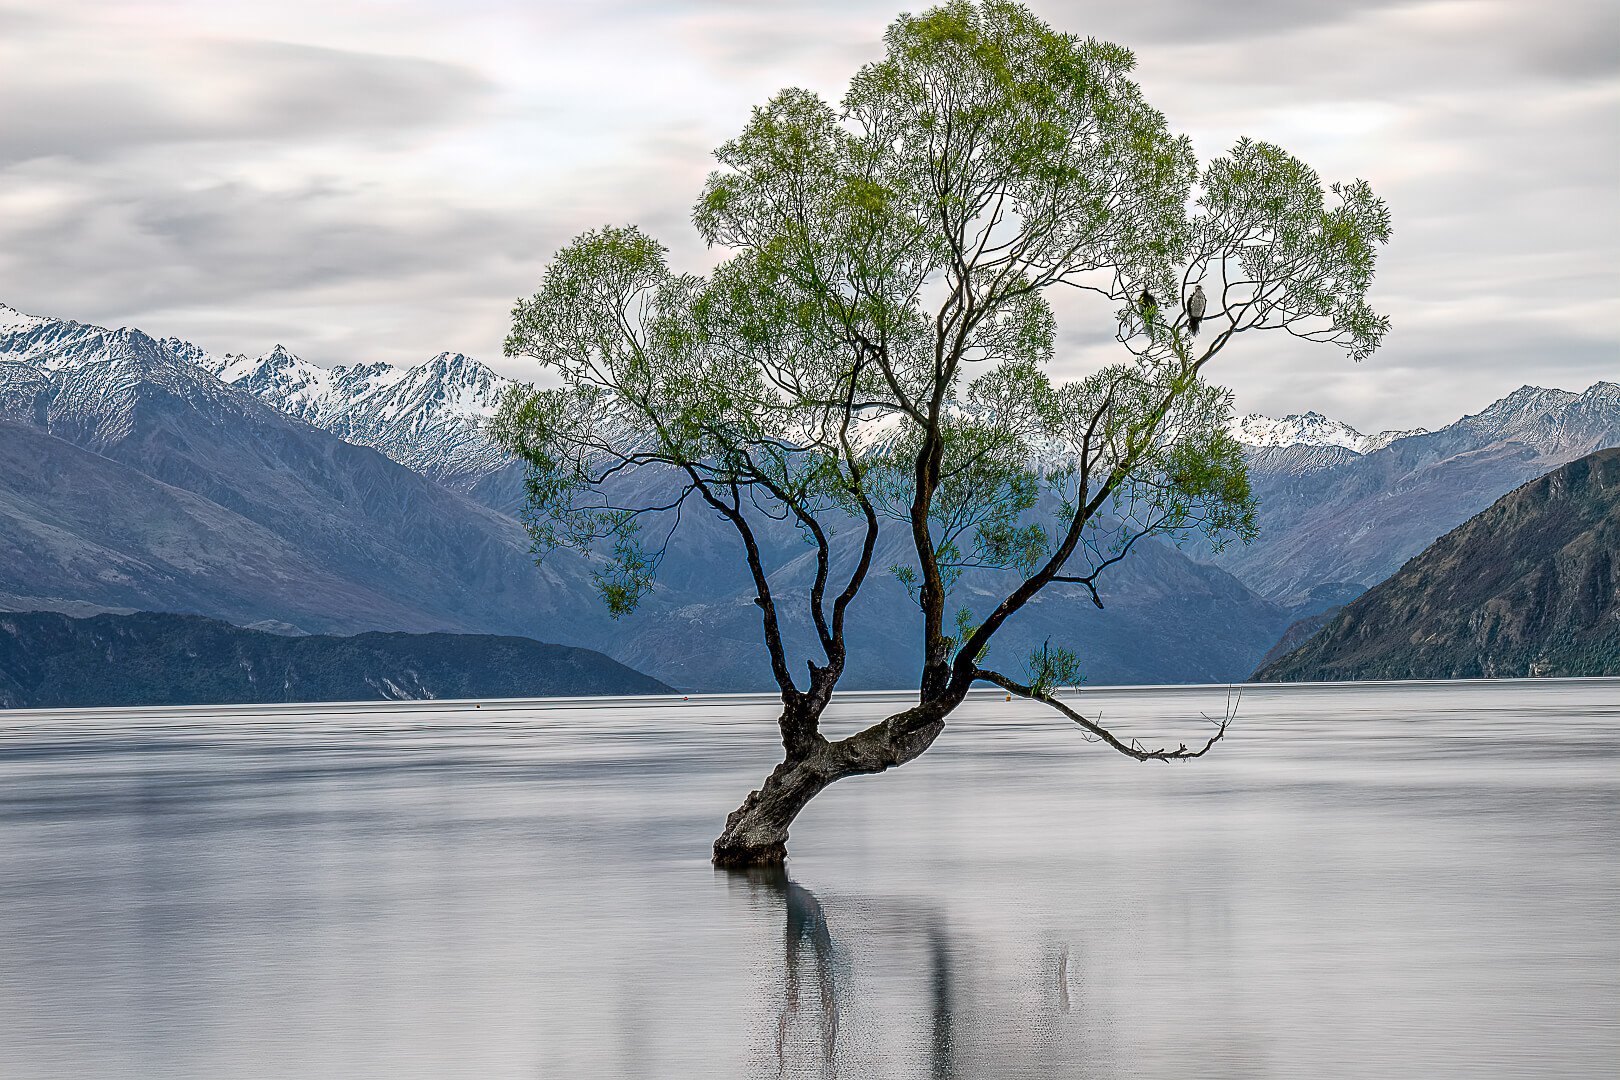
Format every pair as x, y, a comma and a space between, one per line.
1150, 308
1195, 309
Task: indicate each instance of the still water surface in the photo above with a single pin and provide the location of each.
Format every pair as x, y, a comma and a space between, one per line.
1384, 880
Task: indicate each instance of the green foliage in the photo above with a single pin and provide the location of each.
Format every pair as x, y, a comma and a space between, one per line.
1049, 669
872, 351
1285, 258
965, 629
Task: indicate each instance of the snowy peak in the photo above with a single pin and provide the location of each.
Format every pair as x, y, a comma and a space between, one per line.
428, 417
1551, 421
51, 345
450, 386
13, 321
1311, 429
48, 344
90, 384
188, 353
280, 378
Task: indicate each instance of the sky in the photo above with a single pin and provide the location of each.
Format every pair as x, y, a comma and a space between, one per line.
363, 181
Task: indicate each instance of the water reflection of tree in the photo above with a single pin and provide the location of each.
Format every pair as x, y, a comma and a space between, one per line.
812, 984
980, 1020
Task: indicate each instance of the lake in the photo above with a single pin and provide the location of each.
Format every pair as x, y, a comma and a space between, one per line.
1377, 880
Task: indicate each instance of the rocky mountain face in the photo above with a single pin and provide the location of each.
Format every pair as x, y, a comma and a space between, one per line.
1529, 587
1335, 519
50, 661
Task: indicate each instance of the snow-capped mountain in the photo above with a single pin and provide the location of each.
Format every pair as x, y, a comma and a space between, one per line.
13, 321
1311, 429
1330, 514
131, 479
47, 345
1551, 421
427, 417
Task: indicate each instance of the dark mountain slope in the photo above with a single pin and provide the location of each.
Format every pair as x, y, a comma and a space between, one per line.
48, 660
1528, 587
80, 531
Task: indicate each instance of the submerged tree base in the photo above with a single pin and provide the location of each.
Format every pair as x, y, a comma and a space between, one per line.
739, 857
749, 840
757, 831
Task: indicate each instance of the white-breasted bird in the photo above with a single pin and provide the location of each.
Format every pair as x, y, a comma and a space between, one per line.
1195, 308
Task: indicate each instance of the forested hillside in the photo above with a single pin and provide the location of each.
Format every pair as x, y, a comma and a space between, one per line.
49, 660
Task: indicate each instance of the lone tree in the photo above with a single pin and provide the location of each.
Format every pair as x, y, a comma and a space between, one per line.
872, 355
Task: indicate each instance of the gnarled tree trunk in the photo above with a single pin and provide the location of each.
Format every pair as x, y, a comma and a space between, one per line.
756, 832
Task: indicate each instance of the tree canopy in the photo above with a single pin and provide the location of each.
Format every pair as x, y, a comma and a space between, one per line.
873, 354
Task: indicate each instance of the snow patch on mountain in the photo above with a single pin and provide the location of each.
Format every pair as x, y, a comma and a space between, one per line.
1551, 421
1311, 429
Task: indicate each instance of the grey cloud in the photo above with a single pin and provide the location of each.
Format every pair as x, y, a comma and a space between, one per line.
1130, 24
305, 89
1574, 40
19, 20
1395, 53
126, 242
91, 106
750, 45
1182, 21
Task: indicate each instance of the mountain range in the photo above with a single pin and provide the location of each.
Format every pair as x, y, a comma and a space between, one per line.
139, 473
1335, 521
135, 480
1339, 510
1528, 587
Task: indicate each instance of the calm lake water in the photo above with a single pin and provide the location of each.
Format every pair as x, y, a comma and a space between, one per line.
1385, 880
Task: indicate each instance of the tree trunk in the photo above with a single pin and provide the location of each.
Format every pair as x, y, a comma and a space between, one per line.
757, 831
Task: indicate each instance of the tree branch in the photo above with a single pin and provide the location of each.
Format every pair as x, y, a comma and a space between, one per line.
1133, 749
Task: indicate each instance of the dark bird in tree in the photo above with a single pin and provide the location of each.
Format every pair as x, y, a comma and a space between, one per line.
1195, 309
1150, 310
871, 358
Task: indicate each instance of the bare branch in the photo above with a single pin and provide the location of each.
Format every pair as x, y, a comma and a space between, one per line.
1133, 749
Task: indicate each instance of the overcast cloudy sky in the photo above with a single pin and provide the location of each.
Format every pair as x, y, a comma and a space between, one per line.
363, 180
